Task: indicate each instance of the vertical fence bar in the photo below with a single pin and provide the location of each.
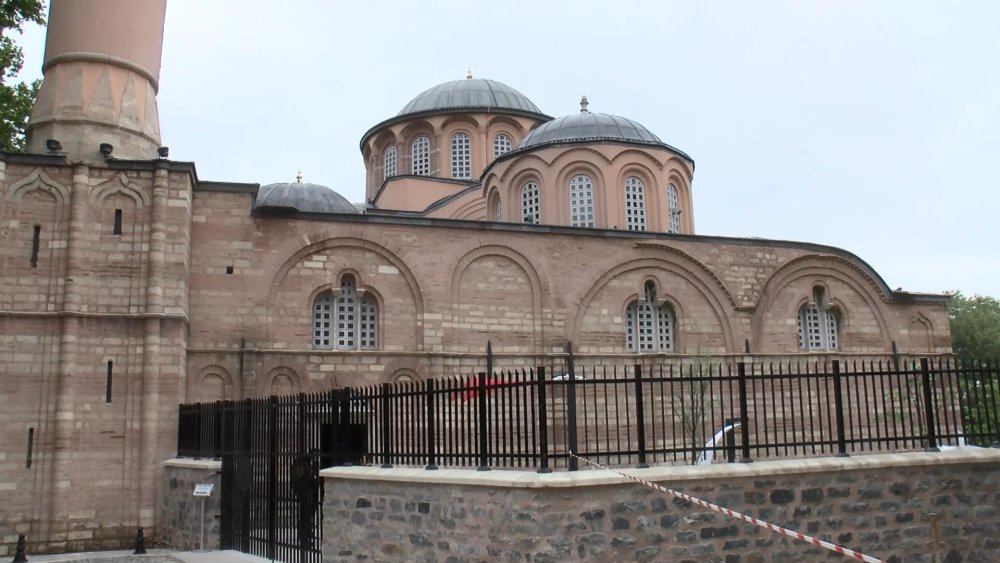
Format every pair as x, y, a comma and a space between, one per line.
431, 453
543, 423
838, 398
640, 417
483, 449
571, 444
741, 374
384, 407
929, 406
271, 455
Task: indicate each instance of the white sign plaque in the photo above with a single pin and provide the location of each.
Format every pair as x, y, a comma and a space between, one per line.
203, 489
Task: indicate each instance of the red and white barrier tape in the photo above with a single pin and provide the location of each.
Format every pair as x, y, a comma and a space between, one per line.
767, 525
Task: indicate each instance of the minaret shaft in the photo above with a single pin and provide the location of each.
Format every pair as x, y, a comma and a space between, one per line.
102, 67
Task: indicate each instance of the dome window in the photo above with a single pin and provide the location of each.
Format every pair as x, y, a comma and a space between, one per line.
581, 201
530, 208
673, 209
635, 204
420, 156
501, 145
461, 156
389, 162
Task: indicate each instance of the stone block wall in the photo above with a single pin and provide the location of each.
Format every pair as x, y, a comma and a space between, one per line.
913, 507
180, 511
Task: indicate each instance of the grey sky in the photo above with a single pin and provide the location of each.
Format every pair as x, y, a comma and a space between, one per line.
871, 126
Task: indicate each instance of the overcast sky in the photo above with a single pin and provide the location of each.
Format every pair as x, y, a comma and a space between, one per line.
870, 126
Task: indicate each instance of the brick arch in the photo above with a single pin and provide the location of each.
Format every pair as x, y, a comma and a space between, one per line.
820, 268
313, 246
280, 374
925, 340
38, 180
513, 123
639, 154
677, 263
197, 383
514, 166
538, 287
571, 153
120, 185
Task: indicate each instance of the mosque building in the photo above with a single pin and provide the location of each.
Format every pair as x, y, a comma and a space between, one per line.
130, 285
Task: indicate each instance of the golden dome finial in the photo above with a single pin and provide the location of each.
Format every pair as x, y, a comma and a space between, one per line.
298, 177
468, 76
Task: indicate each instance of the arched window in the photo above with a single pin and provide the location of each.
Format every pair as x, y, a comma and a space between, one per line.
531, 211
389, 162
499, 209
501, 145
649, 325
817, 323
673, 209
420, 156
344, 321
461, 156
581, 201
635, 204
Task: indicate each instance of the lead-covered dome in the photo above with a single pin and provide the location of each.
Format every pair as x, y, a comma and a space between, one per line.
470, 95
590, 127
303, 197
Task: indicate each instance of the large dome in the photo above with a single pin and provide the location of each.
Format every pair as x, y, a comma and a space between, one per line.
302, 197
590, 127
470, 94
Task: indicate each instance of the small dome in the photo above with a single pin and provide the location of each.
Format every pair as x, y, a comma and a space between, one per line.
470, 94
302, 197
590, 127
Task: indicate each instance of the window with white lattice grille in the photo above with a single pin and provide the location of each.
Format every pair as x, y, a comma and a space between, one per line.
322, 308
420, 156
635, 204
389, 162
461, 156
501, 145
649, 324
581, 201
817, 324
531, 211
673, 209
344, 319
499, 209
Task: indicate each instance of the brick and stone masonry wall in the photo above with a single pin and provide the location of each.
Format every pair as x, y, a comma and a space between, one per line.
912, 507
180, 511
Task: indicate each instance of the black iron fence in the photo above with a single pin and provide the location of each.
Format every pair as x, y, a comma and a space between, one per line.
654, 413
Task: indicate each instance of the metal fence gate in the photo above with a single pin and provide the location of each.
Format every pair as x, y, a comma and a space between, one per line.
272, 451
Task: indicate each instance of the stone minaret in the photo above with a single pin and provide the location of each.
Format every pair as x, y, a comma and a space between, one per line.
101, 75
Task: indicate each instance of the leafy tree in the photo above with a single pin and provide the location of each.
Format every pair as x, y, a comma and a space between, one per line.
17, 99
975, 333
975, 327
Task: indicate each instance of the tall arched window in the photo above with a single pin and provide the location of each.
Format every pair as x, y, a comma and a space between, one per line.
499, 209
501, 145
389, 162
531, 211
344, 321
635, 204
581, 201
649, 324
420, 156
673, 209
817, 323
461, 156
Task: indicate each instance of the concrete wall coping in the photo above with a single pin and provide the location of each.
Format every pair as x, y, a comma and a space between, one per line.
587, 478
207, 464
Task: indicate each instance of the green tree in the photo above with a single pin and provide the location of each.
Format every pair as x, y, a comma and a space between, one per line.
16, 99
975, 333
975, 327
